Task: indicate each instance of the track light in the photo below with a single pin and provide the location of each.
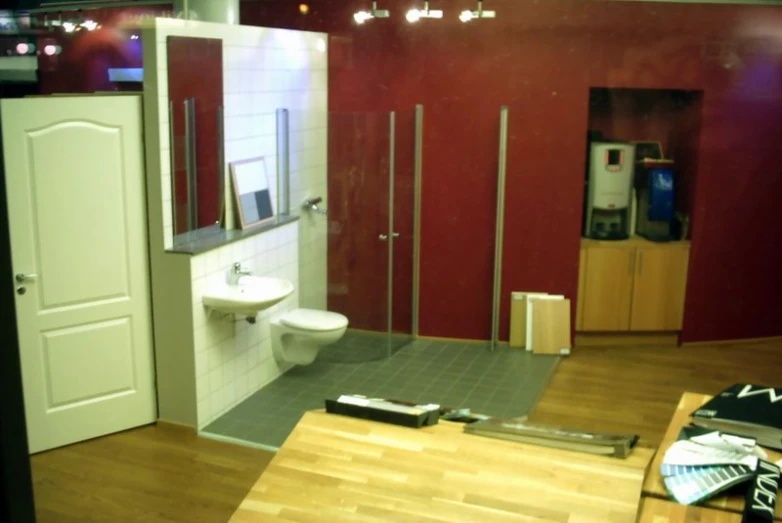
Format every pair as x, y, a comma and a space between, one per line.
362, 16
479, 13
89, 25
415, 15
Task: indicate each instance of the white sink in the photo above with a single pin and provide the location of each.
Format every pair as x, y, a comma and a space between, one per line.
250, 295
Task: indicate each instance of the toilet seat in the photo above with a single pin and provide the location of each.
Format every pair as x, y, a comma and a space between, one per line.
314, 320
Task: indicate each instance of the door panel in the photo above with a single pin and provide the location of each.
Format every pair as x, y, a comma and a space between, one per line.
660, 283
358, 185
608, 289
72, 278
76, 203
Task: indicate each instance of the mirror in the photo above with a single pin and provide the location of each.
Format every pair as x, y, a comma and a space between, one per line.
252, 196
195, 94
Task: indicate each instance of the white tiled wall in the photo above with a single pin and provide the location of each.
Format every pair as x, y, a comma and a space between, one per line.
233, 358
263, 70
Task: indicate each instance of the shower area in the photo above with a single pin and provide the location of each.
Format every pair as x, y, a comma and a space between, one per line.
367, 237
374, 170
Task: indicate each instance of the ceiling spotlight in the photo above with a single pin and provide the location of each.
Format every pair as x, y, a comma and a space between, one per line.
466, 16
51, 50
89, 25
362, 16
23, 48
415, 15
68, 27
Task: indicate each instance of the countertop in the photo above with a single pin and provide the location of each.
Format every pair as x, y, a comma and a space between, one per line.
337, 468
208, 238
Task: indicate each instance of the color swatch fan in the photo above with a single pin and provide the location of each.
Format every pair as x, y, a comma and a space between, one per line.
706, 463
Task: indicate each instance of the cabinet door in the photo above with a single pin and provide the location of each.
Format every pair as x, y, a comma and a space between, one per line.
658, 293
607, 288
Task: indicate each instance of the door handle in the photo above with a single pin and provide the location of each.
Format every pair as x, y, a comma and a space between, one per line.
384, 237
20, 278
395, 235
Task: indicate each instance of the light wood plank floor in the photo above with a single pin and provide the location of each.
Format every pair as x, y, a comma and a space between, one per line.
168, 474
155, 473
636, 390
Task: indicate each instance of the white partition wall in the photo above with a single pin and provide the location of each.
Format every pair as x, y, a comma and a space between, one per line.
205, 365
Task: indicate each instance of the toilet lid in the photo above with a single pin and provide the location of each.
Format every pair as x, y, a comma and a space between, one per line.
310, 319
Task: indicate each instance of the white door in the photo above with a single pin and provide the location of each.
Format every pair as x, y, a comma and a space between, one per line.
77, 212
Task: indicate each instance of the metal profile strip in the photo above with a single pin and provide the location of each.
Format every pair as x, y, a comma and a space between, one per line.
391, 182
188, 166
172, 163
283, 162
498, 235
194, 164
417, 178
221, 161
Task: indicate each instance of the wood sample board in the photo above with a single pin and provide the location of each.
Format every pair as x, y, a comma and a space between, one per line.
336, 468
551, 327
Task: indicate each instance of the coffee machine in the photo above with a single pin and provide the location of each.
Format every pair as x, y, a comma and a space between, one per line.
609, 186
656, 211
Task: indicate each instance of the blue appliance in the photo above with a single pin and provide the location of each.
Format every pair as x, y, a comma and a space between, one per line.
656, 211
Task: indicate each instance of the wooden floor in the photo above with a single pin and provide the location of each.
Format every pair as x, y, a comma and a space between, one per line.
635, 390
150, 474
168, 474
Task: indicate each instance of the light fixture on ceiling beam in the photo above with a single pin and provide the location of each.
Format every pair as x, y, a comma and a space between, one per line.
415, 15
479, 13
362, 16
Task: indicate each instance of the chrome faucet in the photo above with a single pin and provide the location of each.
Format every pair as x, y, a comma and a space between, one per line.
311, 204
237, 273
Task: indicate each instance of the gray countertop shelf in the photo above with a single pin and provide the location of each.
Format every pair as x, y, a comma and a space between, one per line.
209, 238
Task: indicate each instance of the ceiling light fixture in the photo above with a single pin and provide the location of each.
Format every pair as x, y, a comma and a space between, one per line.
479, 13
362, 16
89, 25
415, 15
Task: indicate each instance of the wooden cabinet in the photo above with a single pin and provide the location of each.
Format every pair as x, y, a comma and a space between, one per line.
608, 287
658, 289
632, 285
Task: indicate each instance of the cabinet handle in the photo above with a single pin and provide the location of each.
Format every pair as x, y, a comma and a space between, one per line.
640, 262
631, 263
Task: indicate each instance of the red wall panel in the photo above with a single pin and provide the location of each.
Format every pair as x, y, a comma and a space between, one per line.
540, 58
190, 60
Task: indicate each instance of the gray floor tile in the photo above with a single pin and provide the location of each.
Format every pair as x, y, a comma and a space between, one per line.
506, 382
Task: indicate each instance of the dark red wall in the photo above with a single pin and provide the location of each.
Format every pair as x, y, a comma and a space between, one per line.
541, 58
190, 60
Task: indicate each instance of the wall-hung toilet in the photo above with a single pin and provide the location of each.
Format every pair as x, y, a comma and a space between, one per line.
298, 335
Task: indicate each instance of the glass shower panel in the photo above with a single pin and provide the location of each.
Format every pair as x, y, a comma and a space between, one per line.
403, 230
359, 163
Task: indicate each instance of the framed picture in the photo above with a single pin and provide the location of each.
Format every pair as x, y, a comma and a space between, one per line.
251, 192
650, 150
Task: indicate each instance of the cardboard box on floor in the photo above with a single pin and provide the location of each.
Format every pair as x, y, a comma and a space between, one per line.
540, 322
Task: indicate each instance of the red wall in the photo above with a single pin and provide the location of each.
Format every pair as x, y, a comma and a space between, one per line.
540, 58
185, 80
